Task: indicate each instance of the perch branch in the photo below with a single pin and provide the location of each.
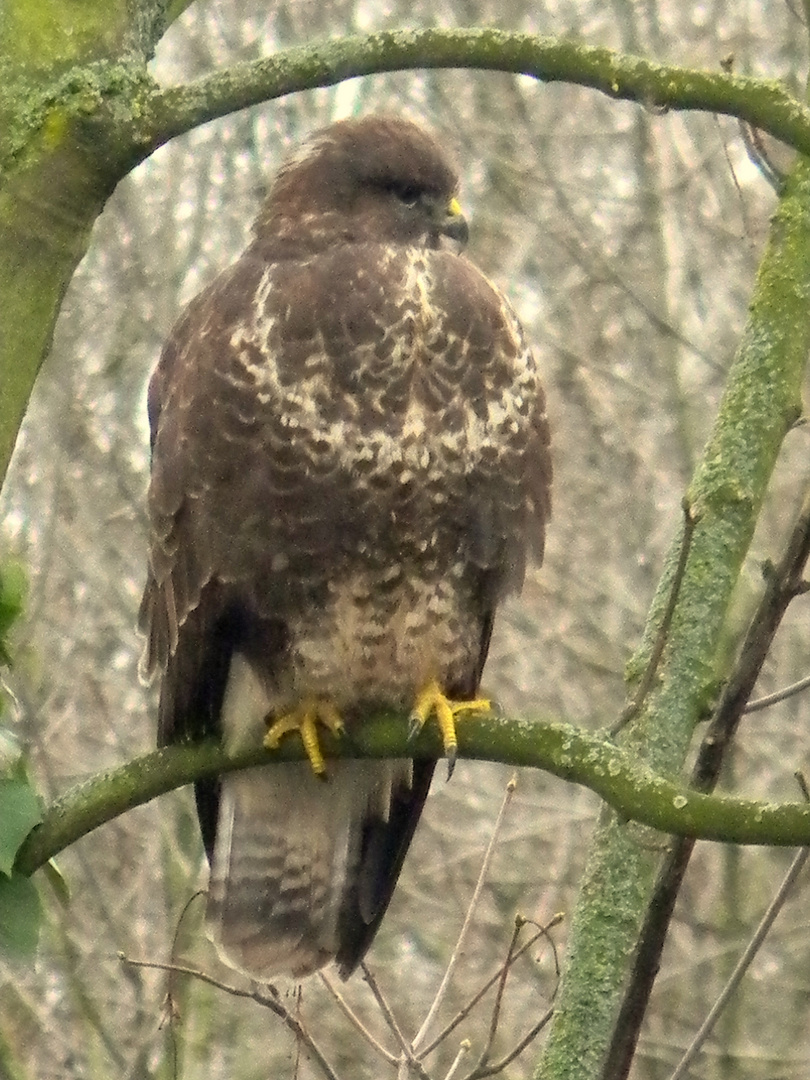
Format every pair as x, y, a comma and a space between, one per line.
579, 756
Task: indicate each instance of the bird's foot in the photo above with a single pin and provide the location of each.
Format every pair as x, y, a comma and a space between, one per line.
305, 718
431, 700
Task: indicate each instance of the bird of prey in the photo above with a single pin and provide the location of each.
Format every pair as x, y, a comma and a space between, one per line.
350, 468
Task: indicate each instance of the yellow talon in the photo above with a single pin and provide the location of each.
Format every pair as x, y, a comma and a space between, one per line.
429, 700
304, 718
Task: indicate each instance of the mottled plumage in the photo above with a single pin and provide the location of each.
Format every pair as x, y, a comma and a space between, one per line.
349, 467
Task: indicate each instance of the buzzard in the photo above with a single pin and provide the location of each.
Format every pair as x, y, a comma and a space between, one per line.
350, 467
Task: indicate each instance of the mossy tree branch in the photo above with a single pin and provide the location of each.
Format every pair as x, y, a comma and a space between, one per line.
764, 104
784, 582
760, 404
597, 763
70, 134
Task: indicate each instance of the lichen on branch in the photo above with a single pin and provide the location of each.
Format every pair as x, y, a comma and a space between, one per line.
762, 103
581, 757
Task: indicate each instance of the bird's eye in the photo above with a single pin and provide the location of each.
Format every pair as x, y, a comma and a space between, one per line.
407, 194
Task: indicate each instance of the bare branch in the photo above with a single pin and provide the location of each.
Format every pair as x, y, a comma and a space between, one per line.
758, 156
463, 1049
778, 695
485, 1068
421, 1035
391, 1020
496, 1008
516, 1051
647, 679
355, 1020
743, 963
543, 931
255, 993
784, 582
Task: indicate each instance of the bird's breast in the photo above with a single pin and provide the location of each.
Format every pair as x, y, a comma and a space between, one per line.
382, 634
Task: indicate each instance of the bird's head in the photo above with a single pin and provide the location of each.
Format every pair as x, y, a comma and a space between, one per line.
379, 179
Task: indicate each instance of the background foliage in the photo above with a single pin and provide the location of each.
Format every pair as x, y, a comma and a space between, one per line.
628, 241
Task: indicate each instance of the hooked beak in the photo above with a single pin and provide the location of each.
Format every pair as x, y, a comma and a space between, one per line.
454, 224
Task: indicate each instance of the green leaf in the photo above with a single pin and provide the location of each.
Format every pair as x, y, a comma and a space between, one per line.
20, 917
19, 813
12, 762
12, 597
57, 882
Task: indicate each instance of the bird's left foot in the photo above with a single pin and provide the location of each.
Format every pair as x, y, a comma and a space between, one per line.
431, 699
305, 718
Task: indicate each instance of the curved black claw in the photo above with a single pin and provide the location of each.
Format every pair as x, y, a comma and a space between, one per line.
415, 725
452, 755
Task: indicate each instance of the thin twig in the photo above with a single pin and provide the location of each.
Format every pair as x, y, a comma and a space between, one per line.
255, 993
176, 938
516, 1051
463, 1049
743, 964
421, 1035
690, 520
751, 950
543, 931
490, 982
727, 66
297, 1060
391, 1020
496, 1007
777, 695
355, 1020
802, 782
172, 1011
783, 584
758, 156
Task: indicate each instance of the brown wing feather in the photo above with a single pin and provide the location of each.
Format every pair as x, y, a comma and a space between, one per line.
384, 847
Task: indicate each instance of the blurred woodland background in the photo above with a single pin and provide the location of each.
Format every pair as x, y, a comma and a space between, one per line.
628, 241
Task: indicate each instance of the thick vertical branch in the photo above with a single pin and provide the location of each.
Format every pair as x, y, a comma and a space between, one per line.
760, 404
784, 583
55, 175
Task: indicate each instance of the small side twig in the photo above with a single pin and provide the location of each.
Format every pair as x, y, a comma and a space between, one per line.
421, 1035
690, 520
491, 1068
778, 695
802, 782
176, 939
498, 1066
462, 1050
758, 156
727, 66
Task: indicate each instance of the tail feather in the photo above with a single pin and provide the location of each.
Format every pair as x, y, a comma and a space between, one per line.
297, 865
